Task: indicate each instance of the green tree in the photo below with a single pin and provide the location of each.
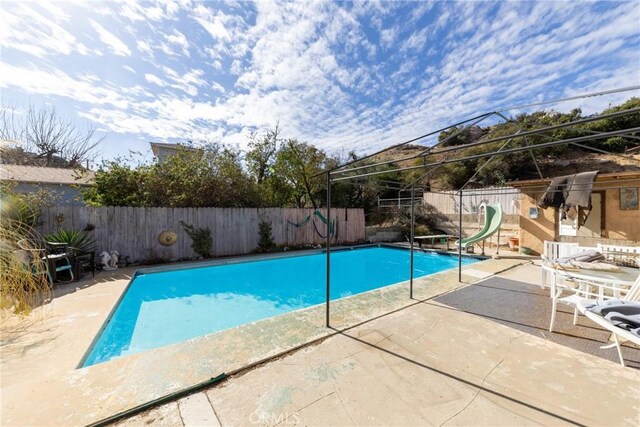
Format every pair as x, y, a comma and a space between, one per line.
209, 177
296, 163
117, 184
618, 143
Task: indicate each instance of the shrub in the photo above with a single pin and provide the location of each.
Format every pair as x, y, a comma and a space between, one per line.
202, 240
80, 240
266, 238
18, 210
427, 220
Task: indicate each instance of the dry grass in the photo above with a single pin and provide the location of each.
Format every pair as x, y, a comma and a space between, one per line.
23, 273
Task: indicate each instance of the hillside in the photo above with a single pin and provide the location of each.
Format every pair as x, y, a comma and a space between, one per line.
552, 162
573, 160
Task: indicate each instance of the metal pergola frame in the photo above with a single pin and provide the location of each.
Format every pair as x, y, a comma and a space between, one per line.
341, 173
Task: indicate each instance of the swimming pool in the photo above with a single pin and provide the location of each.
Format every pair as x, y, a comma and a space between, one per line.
166, 307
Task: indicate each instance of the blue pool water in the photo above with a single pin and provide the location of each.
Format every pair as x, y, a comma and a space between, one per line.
172, 306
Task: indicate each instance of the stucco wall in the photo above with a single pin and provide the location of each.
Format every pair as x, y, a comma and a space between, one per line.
533, 232
620, 227
621, 224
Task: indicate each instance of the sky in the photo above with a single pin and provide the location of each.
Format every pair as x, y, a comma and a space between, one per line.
342, 76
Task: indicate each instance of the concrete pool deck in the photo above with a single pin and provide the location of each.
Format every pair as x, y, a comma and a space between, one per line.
426, 364
40, 358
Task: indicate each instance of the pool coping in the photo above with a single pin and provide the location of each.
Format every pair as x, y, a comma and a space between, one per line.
248, 259
235, 259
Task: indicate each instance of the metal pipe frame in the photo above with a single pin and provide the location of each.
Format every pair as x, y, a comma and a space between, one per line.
544, 130
388, 162
413, 222
533, 157
538, 189
508, 151
460, 237
572, 98
456, 133
328, 251
595, 132
336, 169
489, 190
497, 139
485, 164
623, 155
435, 165
535, 162
502, 110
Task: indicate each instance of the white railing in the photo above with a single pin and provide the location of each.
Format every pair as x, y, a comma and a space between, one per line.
399, 202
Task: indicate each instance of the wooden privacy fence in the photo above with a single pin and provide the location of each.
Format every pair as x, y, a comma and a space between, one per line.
448, 203
134, 232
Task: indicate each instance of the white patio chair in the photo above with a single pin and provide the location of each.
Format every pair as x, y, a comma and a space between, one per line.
594, 291
617, 334
552, 251
555, 250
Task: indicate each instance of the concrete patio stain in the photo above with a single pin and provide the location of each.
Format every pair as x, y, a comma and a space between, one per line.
41, 364
502, 377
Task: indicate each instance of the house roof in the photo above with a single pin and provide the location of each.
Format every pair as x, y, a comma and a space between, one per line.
44, 175
7, 142
600, 177
157, 146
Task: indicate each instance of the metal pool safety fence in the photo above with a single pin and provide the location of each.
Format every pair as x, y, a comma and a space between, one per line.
134, 232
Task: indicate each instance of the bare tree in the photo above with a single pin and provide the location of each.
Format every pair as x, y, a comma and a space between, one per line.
53, 140
262, 152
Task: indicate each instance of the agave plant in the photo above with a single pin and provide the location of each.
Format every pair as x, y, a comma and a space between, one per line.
80, 240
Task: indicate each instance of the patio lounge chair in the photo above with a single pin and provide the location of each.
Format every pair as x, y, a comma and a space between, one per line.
608, 318
590, 292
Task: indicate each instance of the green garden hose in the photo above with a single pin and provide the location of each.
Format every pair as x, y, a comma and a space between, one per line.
153, 403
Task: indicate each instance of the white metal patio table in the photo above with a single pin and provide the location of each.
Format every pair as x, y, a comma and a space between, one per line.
625, 277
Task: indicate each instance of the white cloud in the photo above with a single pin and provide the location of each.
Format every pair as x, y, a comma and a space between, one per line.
58, 83
416, 40
214, 23
188, 82
388, 36
151, 78
114, 44
179, 40
27, 30
217, 87
155, 11
144, 47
